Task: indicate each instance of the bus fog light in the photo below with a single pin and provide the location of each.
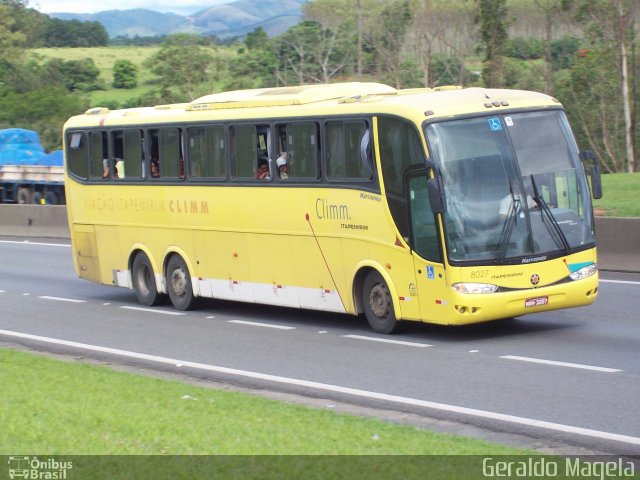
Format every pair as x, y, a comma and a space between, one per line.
585, 272
474, 287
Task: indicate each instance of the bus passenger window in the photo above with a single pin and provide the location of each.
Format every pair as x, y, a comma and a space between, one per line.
127, 151
77, 154
344, 141
249, 147
298, 150
98, 153
166, 149
262, 150
207, 152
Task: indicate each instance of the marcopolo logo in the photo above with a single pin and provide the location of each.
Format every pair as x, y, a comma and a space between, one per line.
38, 469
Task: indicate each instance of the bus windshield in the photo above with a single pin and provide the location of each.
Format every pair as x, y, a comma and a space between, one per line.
514, 187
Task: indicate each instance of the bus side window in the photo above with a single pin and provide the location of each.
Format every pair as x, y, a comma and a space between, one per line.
207, 152
78, 154
154, 164
343, 151
244, 153
301, 145
167, 152
127, 152
263, 147
99, 155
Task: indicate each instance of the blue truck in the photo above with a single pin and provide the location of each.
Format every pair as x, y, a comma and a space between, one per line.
27, 173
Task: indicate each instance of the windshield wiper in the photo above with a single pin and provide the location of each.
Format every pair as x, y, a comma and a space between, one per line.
544, 208
509, 223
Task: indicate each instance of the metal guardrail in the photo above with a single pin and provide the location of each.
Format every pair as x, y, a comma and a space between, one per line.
618, 238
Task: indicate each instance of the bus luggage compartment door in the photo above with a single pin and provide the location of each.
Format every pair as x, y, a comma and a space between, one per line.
86, 253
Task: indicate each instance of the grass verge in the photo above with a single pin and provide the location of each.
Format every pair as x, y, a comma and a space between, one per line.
621, 195
61, 408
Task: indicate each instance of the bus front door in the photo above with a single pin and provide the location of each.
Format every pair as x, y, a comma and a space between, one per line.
427, 252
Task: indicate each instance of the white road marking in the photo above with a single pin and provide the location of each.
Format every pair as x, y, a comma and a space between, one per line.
27, 242
62, 299
619, 281
152, 310
26, 294
258, 324
387, 340
3, 291
561, 364
529, 422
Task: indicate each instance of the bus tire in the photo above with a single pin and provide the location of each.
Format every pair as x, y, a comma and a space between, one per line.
37, 198
51, 198
24, 195
378, 305
144, 281
179, 284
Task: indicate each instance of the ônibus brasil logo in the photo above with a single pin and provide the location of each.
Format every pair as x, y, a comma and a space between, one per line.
36, 469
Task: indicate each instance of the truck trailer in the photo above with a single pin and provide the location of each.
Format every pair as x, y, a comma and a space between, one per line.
28, 174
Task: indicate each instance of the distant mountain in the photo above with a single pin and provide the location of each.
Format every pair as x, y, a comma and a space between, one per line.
231, 19
129, 23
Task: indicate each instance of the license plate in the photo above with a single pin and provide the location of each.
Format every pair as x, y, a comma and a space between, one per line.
536, 302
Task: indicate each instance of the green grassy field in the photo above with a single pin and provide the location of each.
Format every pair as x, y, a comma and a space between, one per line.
104, 58
621, 195
50, 406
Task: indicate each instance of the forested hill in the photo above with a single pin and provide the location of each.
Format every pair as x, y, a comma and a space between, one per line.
231, 19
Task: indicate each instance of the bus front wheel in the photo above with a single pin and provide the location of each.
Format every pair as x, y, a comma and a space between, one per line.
378, 305
179, 284
144, 281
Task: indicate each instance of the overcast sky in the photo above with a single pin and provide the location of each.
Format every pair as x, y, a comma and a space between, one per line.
182, 7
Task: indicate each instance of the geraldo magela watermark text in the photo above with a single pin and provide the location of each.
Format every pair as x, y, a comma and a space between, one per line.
541, 467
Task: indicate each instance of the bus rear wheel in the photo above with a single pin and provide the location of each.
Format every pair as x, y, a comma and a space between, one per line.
377, 303
179, 284
144, 281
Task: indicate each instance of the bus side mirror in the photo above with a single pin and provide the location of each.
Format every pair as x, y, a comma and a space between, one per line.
436, 198
592, 166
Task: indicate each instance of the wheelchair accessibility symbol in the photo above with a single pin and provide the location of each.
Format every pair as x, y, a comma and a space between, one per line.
495, 125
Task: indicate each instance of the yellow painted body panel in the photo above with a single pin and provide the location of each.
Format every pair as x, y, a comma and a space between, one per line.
244, 234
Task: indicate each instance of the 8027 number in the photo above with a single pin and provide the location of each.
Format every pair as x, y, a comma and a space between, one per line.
479, 273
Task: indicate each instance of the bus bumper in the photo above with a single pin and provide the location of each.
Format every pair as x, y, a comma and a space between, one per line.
475, 308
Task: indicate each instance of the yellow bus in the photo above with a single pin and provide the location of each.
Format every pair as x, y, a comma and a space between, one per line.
449, 206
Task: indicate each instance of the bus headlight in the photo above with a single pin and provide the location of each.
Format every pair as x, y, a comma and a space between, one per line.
474, 287
584, 272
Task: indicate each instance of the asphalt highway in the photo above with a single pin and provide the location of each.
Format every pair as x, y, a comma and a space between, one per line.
570, 376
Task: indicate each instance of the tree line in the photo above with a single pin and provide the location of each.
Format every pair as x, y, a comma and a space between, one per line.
583, 52
36, 30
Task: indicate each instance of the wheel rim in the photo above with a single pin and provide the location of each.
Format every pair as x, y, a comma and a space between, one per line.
179, 282
380, 300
